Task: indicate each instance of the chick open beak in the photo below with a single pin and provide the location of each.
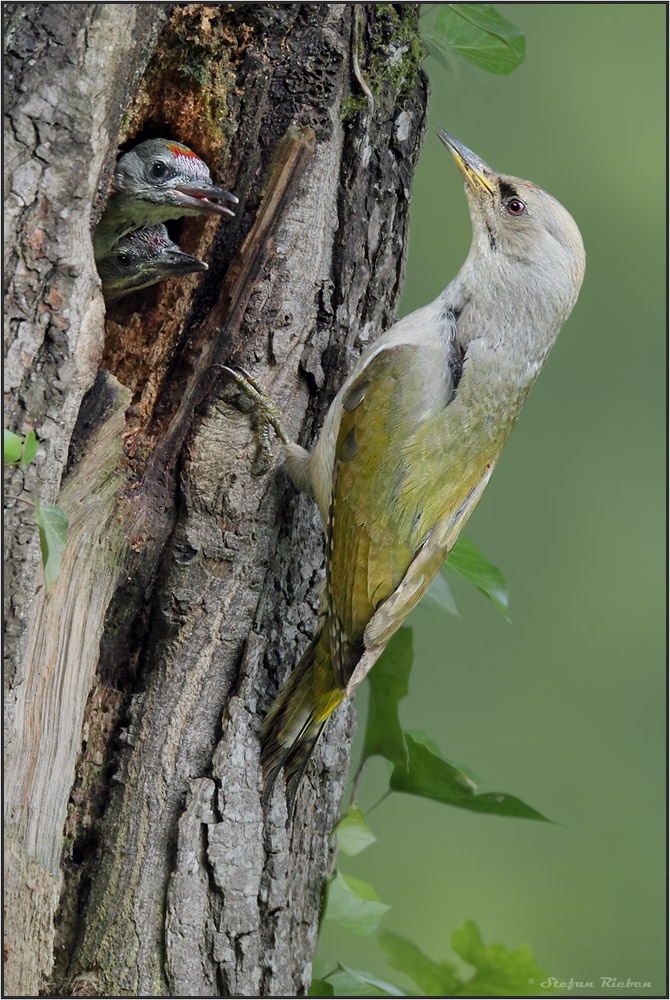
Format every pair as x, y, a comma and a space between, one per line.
204, 198
478, 174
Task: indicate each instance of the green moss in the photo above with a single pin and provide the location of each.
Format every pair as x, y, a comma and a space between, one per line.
351, 106
188, 81
393, 60
197, 71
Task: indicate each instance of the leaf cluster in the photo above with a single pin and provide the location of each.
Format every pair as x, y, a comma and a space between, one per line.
417, 767
51, 521
497, 971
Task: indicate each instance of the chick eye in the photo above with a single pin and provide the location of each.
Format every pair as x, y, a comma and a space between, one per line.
515, 206
158, 169
123, 259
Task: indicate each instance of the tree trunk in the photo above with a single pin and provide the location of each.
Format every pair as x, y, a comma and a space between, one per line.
139, 859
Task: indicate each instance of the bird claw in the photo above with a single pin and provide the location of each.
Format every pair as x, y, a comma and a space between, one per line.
247, 383
268, 414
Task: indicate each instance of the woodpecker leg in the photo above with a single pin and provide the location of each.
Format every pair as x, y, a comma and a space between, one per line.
297, 458
269, 412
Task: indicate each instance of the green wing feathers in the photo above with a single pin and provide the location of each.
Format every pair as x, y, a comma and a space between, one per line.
374, 530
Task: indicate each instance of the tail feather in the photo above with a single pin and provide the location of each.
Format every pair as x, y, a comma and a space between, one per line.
298, 716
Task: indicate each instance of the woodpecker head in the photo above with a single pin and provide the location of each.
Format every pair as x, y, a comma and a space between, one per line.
142, 258
520, 232
160, 180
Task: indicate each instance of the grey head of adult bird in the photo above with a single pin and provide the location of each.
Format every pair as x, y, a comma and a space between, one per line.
141, 258
156, 181
412, 437
526, 253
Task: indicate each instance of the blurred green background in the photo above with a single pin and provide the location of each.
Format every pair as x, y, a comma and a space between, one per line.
564, 708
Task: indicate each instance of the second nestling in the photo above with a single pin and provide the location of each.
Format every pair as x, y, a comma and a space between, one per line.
156, 181
142, 258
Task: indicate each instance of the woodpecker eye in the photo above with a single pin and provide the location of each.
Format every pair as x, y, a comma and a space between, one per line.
158, 169
123, 259
515, 207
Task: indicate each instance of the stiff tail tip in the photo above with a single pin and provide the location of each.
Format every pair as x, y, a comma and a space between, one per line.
297, 719
293, 760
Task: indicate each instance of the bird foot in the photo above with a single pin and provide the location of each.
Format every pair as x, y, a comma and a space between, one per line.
269, 415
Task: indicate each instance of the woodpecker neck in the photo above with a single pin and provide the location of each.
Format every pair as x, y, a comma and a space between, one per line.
514, 312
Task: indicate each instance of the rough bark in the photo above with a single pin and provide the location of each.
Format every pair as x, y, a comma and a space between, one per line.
65, 92
190, 585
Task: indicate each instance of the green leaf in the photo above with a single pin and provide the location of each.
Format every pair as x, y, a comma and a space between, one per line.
356, 978
421, 737
434, 979
353, 904
477, 32
29, 448
439, 597
11, 447
466, 560
52, 523
427, 741
389, 680
320, 988
344, 985
432, 777
353, 833
435, 44
499, 972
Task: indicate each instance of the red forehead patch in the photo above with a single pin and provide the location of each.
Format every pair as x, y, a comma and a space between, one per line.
529, 185
179, 150
155, 236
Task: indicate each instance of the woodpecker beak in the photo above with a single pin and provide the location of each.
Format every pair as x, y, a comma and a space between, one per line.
197, 195
478, 174
177, 262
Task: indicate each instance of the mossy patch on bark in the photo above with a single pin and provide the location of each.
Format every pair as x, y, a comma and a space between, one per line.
394, 58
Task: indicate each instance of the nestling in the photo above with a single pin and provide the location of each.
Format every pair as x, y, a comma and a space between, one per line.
412, 437
142, 258
156, 181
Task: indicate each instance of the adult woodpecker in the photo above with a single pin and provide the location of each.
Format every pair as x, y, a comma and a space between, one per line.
156, 181
142, 258
412, 437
